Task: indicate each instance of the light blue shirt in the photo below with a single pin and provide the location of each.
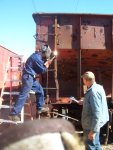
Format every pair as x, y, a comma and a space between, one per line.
95, 110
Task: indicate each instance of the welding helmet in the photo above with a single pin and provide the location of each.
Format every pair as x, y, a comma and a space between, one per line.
46, 51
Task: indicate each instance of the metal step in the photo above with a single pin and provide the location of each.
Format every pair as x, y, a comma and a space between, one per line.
10, 93
5, 106
9, 121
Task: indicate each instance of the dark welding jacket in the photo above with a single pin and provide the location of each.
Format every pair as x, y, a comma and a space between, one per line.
34, 65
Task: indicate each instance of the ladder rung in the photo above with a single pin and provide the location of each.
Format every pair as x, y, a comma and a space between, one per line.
16, 70
9, 121
26, 114
50, 88
51, 70
17, 56
15, 67
10, 93
13, 81
27, 104
5, 106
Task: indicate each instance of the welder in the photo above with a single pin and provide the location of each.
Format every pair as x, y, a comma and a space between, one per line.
34, 66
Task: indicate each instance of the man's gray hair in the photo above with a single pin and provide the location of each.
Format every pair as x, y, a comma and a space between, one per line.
89, 76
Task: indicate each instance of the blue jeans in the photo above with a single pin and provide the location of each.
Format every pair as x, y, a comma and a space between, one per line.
28, 83
92, 144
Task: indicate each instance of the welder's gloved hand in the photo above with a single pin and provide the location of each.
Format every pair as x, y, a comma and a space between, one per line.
48, 63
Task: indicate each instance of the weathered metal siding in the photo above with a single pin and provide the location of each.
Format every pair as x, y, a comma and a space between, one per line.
84, 42
4, 55
96, 32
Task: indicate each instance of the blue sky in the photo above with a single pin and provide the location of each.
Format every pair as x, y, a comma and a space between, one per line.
17, 26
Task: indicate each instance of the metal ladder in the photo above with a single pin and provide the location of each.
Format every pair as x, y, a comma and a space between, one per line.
48, 88
39, 38
56, 86
54, 69
10, 71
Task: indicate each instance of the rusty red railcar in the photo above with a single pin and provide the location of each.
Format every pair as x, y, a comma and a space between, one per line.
6, 72
84, 42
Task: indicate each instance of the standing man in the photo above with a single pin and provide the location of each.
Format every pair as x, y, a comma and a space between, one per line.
33, 66
95, 111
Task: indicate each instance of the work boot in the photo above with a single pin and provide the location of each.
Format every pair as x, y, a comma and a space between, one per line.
43, 113
43, 110
14, 118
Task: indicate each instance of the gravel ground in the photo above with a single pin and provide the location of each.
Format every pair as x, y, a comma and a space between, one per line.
104, 147
107, 147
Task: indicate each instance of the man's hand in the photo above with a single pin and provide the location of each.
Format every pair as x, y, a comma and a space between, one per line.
80, 102
91, 135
